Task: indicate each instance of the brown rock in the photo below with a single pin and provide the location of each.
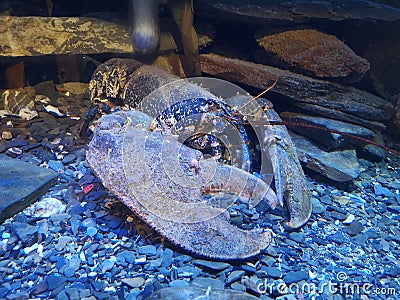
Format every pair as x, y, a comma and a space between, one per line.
314, 53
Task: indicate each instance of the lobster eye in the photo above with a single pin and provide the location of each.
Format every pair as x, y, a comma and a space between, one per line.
210, 102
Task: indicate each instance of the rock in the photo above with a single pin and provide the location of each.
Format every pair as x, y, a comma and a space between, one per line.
45, 208
54, 281
91, 231
289, 12
21, 184
24, 231
48, 89
327, 140
213, 265
178, 283
337, 238
183, 293
68, 158
56, 165
62, 242
134, 282
6, 135
235, 276
295, 276
349, 219
298, 237
19, 102
85, 35
317, 206
205, 282
148, 250
394, 208
382, 191
39, 289
273, 272
372, 152
395, 122
328, 99
341, 166
355, 228
107, 265
72, 266
314, 53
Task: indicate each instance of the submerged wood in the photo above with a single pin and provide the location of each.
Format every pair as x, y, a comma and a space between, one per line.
35, 36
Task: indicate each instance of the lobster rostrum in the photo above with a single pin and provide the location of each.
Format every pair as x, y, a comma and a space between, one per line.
165, 182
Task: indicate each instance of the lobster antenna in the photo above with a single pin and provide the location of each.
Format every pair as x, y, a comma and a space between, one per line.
258, 96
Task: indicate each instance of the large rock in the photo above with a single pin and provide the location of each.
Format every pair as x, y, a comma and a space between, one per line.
327, 140
340, 166
395, 127
34, 36
300, 11
314, 53
21, 184
322, 97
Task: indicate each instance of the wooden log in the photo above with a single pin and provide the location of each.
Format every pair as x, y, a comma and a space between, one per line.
35, 36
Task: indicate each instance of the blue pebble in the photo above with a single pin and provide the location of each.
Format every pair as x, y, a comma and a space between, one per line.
91, 231
5, 235
56, 165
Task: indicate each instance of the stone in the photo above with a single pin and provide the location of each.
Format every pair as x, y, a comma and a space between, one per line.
340, 166
45, 208
107, 265
272, 272
21, 184
355, 228
313, 53
85, 35
213, 265
55, 280
56, 165
148, 250
298, 237
337, 238
292, 12
134, 282
382, 191
62, 242
72, 266
235, 276
317, 206
295, 276
24, 231
206, 282
19, 102
39, 289
91, 231
178, 283
325, 98
68, 158
326, 140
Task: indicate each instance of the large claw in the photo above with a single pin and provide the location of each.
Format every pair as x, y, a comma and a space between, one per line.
290, 181
152, 174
